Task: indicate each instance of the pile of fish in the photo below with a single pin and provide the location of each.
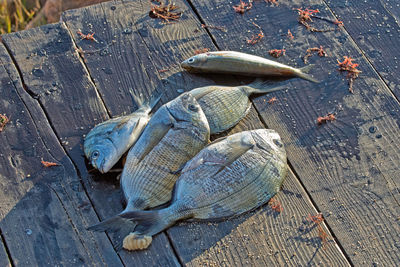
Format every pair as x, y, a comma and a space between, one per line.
171, 164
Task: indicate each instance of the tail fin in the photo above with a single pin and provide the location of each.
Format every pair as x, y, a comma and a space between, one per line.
150, 222
146, 105
118, 225
260, 86
303, 73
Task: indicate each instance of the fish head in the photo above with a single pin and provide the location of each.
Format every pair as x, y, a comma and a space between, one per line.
270, 140
107, 142
186, 108
195, 63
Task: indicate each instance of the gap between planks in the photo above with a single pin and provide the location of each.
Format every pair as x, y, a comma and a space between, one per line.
290, 166
364, 55
82, 61
313, 205
32, 95
6, 250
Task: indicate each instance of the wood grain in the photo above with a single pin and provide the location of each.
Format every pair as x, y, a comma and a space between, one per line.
262, 237
347, 166
53, 73
374, 27
133, 48
44, 211
147, 46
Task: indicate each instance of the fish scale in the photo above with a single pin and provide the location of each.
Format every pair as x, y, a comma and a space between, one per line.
175, 133
232, 62
230, 176
243, 189
170, 155
225, 107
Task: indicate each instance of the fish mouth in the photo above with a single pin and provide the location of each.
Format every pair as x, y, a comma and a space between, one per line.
99, 167
186, 66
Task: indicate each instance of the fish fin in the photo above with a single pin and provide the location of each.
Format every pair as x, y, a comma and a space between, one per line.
303, 73
179, 170
197, 160
117, 225
234, 154
137, 98
145, 105
260, 86
155, 130
154, 100
149, 222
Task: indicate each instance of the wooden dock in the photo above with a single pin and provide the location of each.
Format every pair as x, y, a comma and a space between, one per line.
55, 86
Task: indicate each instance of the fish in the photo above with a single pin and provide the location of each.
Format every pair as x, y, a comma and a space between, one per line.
226, 106
174, 135
105, 144
230, 176
233, 62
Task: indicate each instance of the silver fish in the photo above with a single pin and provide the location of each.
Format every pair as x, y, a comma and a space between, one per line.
175, 134
225, 106
243, 64
232, 175
108, 141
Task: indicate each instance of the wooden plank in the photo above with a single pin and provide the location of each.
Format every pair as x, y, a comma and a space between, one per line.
52, 72
4, 260
262, 237
374, 27
156, 47
348, 166
133, 48
44, 211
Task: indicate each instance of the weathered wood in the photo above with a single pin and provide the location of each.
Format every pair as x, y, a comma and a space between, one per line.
44, 211
262, 237
374, 27
52, 72
133, 48
4, 260
143, 34
347, 166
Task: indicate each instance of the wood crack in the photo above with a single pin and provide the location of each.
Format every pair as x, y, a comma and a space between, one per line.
69, 218
3, 240
57, 137
203, 22
309, 198
82, 61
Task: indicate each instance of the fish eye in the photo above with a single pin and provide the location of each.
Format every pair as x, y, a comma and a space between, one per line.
191, 60
277, 142
193, 107
185, 97
95, 155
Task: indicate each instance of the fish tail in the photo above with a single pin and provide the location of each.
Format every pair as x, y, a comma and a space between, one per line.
151, 222
260, 86
146, 105
120, 226
303, 73
155, 98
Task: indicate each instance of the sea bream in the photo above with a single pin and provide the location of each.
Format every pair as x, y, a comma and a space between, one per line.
232, 62
174, 135
105, 144
232, 175
225, 106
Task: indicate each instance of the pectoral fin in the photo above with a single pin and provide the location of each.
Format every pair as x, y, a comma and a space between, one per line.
235, 153
151, 136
